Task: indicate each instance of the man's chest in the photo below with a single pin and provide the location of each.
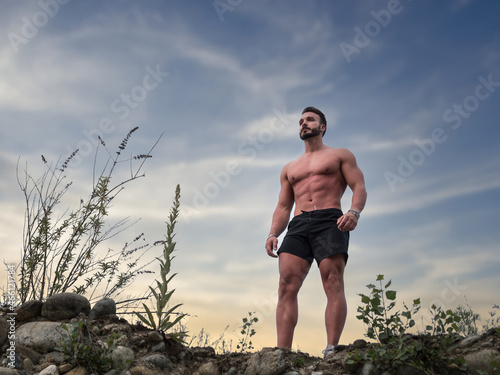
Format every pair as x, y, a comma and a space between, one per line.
304, 168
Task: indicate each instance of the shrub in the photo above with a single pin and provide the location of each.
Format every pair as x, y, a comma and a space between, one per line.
59, 251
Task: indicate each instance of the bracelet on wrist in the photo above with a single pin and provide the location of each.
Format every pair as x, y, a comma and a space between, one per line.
272, 235
356, 213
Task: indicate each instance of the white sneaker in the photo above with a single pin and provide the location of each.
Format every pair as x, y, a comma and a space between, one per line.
330, 349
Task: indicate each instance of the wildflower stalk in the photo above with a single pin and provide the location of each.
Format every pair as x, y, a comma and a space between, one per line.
162, 294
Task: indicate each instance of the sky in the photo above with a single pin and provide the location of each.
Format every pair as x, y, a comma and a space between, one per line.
412, 88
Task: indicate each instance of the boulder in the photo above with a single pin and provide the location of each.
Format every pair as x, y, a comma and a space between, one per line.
208, 368
122, 357
8, 371
160, 361
29, 310
269, 361
41, 336
65, 306
50, 370
481, 361
105, 306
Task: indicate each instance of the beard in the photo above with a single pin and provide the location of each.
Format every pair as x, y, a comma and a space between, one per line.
312, 133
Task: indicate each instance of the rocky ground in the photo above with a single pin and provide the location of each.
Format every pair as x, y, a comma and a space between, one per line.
136, 350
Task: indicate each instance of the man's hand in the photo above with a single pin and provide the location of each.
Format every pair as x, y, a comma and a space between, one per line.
271, 246
347, 222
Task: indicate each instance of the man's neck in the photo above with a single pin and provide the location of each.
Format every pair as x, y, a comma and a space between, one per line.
313, 144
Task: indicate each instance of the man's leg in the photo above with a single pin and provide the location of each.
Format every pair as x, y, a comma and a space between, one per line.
293, 270
332, 275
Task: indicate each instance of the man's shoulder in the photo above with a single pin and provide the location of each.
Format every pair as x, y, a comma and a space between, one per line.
338, 152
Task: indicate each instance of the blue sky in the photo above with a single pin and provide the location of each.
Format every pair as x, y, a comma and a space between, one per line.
412, 88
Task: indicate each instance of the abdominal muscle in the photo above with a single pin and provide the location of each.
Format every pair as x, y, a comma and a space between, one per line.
318, 192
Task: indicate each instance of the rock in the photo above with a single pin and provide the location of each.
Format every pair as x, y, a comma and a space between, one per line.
155, 337
55, 357
120, 328
51, 370
158, 347
78, 371
29, 310
369, 369
4, 330
28, 365
160, 361
28, 353
65, 306
64, 368
105, 306
8, 371
41, 336
122, 357
173, 347
468, 341
481, 361
139, 370
359, 344
208, 368
269, 361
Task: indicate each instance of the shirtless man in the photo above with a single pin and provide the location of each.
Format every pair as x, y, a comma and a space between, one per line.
315, 183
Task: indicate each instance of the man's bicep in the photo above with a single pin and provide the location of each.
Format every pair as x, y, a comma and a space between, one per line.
286, 196
351, 171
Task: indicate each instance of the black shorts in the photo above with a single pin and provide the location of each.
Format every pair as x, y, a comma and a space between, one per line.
315, 235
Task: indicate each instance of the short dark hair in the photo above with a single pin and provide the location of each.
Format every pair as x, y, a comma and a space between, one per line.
321, 115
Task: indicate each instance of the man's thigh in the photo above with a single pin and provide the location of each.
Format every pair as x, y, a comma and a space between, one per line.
293, 268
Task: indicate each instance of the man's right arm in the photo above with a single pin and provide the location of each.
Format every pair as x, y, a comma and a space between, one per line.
281, 214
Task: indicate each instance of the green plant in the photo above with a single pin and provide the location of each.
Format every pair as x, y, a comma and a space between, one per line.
443, 322
493, 321
162, 294
299, 362
59, 244
219, 344
467, 326
397, 348
82, 348
247, 331
376, 312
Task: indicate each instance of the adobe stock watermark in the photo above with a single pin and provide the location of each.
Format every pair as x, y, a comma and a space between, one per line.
223, 6
11, 315
32, 25
363, 36
221, 179
121, 107
455, 115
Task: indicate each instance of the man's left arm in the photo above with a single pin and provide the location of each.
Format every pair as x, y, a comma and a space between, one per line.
356, 181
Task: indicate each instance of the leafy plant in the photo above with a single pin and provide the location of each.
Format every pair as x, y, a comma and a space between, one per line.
247, 331
59, 244
494, 320
467, 326
161, 293
83, 349
376, 313
443, 321
397, 348
299, 362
